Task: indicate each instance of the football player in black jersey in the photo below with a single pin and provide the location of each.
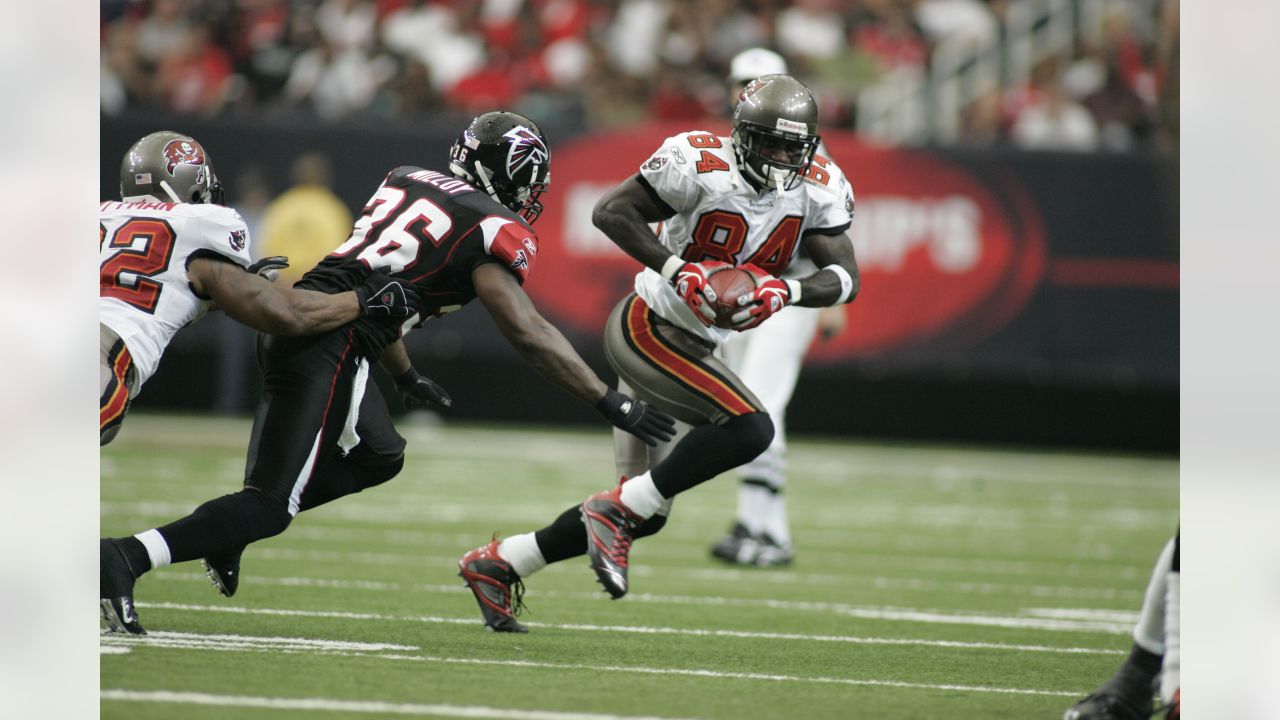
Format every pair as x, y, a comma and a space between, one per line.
322, 430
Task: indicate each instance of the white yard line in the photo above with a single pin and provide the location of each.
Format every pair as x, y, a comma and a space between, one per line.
870, 582
735, 676
248, 642
690, 672
639, 629
1084, 614
318, 529
377, 707
1114, 622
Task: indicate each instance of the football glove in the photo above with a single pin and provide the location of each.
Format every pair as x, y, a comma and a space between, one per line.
384, 297
417, 391
770, 296
690, 282
637, 417
269, 267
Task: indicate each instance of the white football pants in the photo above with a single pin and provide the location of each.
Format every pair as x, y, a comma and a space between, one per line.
768, 359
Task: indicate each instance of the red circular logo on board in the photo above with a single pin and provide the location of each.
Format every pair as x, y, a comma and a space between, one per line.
943, 252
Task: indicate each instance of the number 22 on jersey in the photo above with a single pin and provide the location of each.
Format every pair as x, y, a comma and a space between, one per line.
143, 248
397, 235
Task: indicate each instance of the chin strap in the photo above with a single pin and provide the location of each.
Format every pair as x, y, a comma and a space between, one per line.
485, 182
164, 185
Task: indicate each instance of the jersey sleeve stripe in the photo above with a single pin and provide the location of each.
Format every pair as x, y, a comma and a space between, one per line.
208, 255
694, 376
836, 230
667, 210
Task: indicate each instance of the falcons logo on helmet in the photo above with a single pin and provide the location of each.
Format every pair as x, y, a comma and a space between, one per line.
183, 151
526, 147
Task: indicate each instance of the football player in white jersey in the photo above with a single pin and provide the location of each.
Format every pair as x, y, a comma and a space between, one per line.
768, 360
749, 201
170, 251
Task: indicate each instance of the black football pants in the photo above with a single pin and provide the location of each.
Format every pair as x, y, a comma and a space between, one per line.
295, 461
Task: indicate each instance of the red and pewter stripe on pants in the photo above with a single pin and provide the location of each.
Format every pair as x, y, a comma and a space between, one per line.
115, 399
693, 375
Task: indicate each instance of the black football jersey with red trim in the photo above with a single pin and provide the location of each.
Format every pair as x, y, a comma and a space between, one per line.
429, 229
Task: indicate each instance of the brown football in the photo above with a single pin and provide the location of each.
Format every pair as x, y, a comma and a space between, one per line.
728, 285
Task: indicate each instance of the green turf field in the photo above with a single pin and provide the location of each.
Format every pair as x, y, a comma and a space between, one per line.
930, 582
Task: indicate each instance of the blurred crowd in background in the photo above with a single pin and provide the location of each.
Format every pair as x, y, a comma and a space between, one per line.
595, 64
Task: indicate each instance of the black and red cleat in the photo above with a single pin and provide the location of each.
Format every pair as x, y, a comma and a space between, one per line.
496, 585
610, 530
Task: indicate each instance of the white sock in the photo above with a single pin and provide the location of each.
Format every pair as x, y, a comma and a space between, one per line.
775, 519
753, 507
1171, 671
157, 548
1149, 633
641, 496
523, 554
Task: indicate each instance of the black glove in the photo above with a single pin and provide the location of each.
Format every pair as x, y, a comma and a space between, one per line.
417, 391
269, 267
637, 417
381, 296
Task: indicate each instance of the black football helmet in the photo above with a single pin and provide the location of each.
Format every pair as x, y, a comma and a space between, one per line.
505, 155
776, 118
169, 167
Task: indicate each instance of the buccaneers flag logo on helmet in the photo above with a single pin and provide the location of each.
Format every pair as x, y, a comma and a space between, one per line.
183, 151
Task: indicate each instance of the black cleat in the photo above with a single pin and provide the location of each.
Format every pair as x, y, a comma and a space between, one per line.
115, 589
771, 553
224, 572
610, 531
740, 547
1114, 701
494, 583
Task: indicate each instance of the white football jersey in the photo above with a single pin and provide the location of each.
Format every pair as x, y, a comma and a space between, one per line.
720, 216
145, 295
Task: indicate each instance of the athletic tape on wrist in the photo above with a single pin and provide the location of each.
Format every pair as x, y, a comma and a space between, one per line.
671, 267
846, 282
793, 287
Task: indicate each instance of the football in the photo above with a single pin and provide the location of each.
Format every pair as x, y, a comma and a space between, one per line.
729, 284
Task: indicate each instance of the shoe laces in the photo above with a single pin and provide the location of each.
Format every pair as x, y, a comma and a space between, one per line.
620, 548
517, 597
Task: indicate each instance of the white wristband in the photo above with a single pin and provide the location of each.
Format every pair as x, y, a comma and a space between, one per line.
846, 283
671, 267
793, 287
